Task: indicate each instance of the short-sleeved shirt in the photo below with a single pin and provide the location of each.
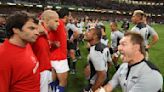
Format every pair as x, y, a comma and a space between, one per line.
140, 77
41, 49
18, 68
115, 37
104, 40
151, 30
59, 35
145, 30
98, 57
70, 27
80, 27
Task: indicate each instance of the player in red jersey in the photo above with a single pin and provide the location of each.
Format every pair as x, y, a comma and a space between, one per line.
19, 66
49, 22
59, 52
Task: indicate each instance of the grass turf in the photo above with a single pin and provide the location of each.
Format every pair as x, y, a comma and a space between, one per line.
156, 54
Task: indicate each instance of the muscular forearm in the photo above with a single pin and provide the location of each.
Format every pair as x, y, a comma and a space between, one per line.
154, 41
99, 80
106, 88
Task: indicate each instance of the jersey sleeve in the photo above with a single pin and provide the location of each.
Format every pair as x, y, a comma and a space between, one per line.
134, 29
115, 79
67, 26
151, 82
107, 55
152, 31
120, 35
73, 27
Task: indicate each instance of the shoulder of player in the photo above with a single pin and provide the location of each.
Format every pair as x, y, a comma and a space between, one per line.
151, 66
141, 25
100, 47
105, 37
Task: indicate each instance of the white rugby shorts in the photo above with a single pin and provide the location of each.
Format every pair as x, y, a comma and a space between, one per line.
45, 80
60, 66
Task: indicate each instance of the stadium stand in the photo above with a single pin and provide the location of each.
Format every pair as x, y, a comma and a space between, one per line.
95, 9
2, 28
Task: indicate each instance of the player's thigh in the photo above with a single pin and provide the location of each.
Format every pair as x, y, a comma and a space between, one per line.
62, 76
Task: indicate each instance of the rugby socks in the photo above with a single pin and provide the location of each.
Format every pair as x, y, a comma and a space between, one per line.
69, 61
54, 84
74, 64
78, 53
51, 85
59, 89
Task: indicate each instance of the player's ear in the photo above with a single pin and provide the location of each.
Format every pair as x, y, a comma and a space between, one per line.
15, 30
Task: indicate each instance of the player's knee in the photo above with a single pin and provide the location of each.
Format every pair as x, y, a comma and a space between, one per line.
63, 82
72, 54
63, 79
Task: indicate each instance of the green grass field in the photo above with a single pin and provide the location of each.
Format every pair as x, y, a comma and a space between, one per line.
77, 82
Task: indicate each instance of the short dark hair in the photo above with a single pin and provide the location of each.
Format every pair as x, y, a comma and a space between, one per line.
63, 12
136, 38
114, 23
17, 20
98, 32
102, 27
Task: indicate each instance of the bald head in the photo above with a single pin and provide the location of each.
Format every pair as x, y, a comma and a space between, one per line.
49, 14
50, 19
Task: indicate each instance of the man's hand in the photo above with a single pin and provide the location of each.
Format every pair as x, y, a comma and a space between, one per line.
148, 46
100, 90
106, 88
55, 44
